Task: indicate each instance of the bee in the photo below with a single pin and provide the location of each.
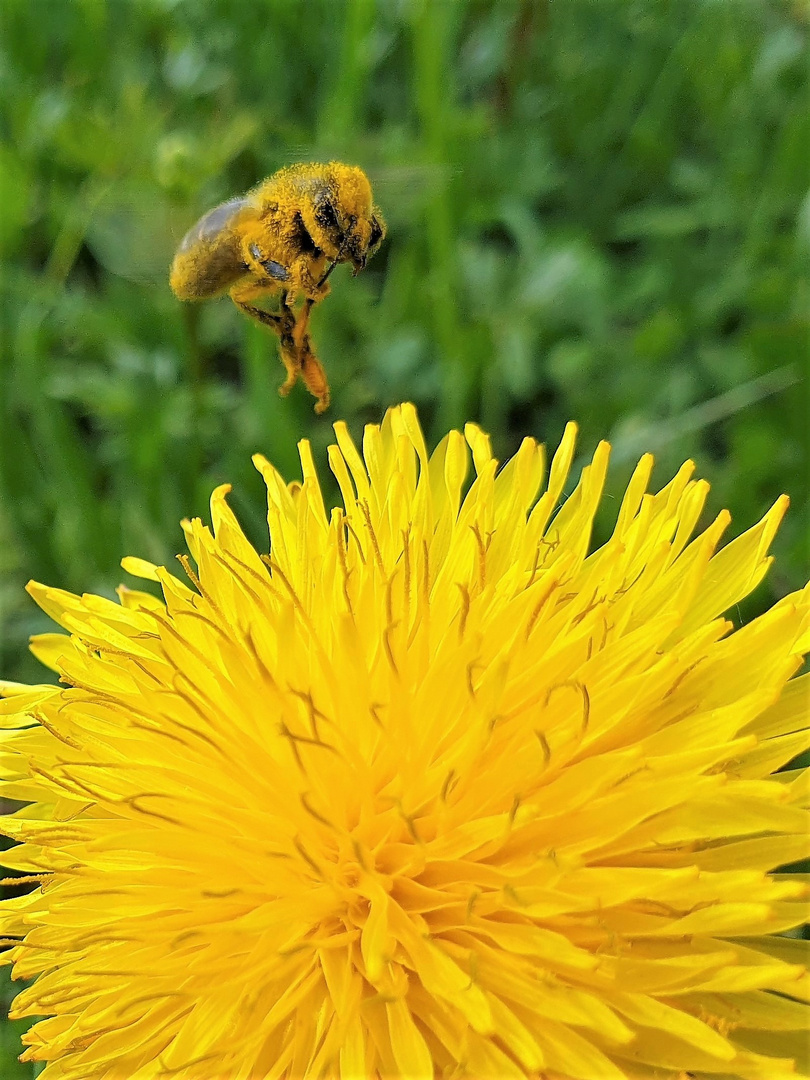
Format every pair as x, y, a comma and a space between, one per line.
283, 239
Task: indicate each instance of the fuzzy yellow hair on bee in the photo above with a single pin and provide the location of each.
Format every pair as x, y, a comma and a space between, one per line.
283, 239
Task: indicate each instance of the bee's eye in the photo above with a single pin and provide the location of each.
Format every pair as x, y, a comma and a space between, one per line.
376, 232
326, 216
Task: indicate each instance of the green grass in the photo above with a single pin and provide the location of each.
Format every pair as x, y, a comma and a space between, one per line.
10, 1033
597, 211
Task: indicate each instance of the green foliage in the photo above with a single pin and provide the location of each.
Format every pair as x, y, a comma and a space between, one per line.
596, 210
11, 1032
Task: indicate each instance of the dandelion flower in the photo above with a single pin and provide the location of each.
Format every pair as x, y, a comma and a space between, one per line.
428, 791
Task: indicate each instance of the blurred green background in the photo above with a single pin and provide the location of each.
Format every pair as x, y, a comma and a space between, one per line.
597, 210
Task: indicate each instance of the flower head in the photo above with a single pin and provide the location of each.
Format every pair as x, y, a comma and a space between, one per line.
428, 791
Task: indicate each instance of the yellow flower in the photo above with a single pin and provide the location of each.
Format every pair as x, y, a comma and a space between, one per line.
429, 791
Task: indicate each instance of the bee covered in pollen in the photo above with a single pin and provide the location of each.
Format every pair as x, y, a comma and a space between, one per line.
283, 239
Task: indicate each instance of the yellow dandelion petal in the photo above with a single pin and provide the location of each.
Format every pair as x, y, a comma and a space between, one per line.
430, 789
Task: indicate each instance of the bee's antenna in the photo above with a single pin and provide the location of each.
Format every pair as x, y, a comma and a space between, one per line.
329, 270
336, 260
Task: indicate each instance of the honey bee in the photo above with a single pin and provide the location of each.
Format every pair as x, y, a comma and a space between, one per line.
284, 238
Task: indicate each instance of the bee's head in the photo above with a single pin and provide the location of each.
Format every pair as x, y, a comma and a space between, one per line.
347, 225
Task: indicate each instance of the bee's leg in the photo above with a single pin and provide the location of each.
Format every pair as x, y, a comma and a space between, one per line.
288, 348
309, 277
314, 376
243, 292
265, 318
281, 323
311, 368
302, 322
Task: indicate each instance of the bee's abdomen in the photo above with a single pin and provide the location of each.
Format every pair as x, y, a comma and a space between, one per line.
209, 259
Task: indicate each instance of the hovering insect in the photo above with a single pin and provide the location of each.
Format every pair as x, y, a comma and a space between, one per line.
284, 238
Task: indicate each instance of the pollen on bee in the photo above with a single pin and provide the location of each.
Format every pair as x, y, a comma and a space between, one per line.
281, 241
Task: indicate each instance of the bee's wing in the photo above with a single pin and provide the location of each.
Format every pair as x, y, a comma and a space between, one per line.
129, 231
405, 189
209, 260
211, 225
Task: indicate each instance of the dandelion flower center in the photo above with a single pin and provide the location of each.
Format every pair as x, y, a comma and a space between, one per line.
428, 790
